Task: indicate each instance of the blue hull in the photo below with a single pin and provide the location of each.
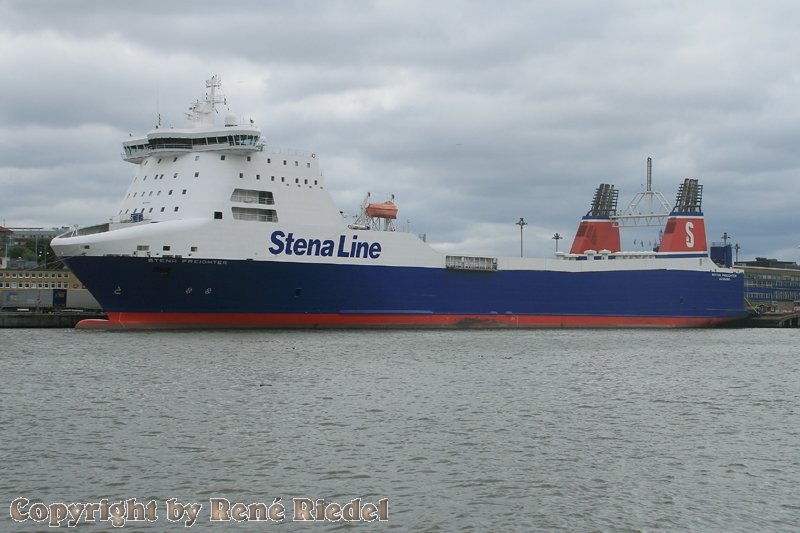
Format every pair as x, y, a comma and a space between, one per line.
226, 287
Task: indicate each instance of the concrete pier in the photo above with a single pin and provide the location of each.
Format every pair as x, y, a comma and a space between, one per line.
769, 320
64, 319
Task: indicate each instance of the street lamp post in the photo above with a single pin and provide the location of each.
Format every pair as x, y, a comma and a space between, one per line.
557, 237
521, 224
736, 249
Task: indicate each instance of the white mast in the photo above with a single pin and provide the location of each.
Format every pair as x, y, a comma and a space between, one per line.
202, 112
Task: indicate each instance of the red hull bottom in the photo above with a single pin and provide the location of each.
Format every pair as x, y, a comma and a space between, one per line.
150, 321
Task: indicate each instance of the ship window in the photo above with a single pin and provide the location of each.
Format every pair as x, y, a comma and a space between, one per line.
197, 157
158, 162
151, 193
283, 179
308, 165
269, 160
176, 209
218, 215
134, 195
254, 214
297, 163
315, 182
272, 178
297, 180
284, 162
165, 248
196, 174
142, 247
241, 175
175, 175
150, 210
222, 158
258, 176
184, 191
249, 196
174, 159
194, 248
170, 192
126, 211
305, 182
162, 209
158, 193
248, 158
144, 178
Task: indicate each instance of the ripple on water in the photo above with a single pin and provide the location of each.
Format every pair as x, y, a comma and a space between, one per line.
462, 431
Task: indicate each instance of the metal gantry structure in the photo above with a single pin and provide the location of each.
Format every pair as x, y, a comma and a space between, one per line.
648, 207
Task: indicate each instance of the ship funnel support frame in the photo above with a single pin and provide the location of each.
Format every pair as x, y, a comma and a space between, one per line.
648, 207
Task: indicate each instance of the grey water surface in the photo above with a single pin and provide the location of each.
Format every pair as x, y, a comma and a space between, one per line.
538, 430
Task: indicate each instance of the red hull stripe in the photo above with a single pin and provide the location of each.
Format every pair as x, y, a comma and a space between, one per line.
122, 320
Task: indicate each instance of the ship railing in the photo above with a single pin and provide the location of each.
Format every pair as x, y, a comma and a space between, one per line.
262, 201
88, 230
463, 262
139, 153
604, 255
286, 151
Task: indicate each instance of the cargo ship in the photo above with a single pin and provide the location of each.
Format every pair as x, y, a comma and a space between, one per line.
217, 229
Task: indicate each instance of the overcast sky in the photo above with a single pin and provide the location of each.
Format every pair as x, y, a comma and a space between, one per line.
473, 114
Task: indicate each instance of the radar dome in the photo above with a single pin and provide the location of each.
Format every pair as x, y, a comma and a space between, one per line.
231, 120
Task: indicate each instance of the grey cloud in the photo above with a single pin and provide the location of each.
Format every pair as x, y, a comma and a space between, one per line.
474, 114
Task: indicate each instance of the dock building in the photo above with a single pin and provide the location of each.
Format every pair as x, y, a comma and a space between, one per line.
771, 285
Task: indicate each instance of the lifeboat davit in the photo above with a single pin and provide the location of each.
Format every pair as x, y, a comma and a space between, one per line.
384, 210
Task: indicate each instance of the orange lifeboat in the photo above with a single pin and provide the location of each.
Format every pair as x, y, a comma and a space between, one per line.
385, 210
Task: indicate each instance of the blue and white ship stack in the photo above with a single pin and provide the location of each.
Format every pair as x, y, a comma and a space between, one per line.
216, 230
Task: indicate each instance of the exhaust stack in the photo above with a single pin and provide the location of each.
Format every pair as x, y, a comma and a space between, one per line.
685, 230
597, 230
